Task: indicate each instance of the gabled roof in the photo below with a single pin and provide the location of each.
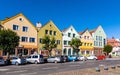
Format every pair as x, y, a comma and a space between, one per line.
80, 33
92, 31
67, 28
48, 23
13, 17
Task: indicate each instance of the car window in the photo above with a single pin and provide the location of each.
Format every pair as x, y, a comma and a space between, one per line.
14, 58
29, 57
35, 56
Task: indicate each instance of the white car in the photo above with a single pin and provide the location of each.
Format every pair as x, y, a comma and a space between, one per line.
92, 57
2, 62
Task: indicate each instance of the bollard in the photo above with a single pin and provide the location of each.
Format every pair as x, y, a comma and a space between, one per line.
113, 67
105, 68
118, 65
97, 69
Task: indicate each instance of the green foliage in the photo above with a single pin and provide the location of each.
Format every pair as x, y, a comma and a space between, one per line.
75, 43
108, 49
8, 40
49, 44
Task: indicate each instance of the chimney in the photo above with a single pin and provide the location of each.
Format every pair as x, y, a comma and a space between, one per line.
38, 25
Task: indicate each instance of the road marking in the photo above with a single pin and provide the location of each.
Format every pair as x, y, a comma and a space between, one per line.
49, 68
16, 71
4, 69
73, 65
29, 73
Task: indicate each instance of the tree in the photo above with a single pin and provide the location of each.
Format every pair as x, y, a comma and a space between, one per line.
49, 44
75, 43
8, 40
108, 49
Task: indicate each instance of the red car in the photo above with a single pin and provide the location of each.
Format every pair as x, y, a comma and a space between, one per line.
101, 57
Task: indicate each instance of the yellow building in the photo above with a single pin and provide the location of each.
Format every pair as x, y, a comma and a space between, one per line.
27, 32
87, 43
51, 30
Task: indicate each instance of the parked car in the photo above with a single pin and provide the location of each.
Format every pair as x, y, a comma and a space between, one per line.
101, 57
2, 61
55, 59
92, 57
72, 58
35, 58
66, 58
18, 60
83, 58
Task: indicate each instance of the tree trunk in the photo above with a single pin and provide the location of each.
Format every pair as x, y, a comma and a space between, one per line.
8, 55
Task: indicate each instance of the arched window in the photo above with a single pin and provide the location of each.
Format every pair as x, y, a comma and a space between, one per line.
69, 51
65, 51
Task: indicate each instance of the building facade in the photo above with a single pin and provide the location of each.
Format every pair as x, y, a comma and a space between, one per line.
68, 34
100, 40
87, 47
25, 30
115, 43
50, 29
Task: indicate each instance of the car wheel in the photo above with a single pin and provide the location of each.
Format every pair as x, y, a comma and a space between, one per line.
36, 62
16, 63
55, 61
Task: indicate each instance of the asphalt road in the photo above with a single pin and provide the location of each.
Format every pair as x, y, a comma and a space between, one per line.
49, 68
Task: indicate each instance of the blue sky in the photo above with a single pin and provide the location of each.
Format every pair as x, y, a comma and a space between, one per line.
81, 14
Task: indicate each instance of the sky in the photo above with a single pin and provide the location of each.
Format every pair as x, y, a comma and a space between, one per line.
81, 14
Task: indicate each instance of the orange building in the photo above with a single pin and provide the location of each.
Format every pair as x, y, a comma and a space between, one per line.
27, 32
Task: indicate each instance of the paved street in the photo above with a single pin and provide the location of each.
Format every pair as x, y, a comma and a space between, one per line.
49, 68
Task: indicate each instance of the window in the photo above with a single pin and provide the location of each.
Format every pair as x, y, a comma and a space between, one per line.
65, 51
24, 39
46, 31
69, 35
87, 52
32, 39
25, 29
65, 42
87, 37
97, 37
58, 41
25, 51
50, 32
40, 40
84, 44
82, 52
84, 37
19, 51
15, 27
55, 33
68, 42
73, 35
87, 44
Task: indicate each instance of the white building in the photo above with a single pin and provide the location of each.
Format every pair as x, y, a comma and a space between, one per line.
68, 34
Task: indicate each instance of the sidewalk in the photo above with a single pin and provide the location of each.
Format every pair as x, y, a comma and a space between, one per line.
91, 71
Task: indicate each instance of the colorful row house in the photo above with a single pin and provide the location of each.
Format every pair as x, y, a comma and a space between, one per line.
100, 40
27, 32
68, 34
87, 47
51, 30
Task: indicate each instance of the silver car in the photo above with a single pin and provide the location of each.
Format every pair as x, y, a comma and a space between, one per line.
2, 61
35, 58
55, 59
